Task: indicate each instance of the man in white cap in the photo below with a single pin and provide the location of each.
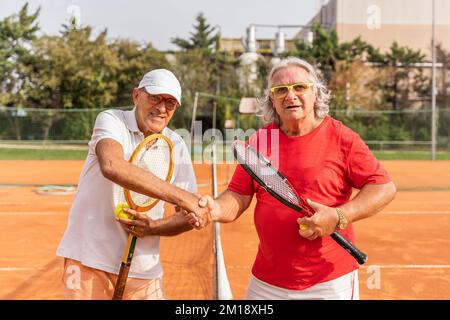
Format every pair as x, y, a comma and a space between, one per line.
93, 243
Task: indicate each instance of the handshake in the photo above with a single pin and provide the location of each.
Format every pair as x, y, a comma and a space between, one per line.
207, 211
197, 210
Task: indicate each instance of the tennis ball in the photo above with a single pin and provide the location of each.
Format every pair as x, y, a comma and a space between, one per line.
304, 227
119, 213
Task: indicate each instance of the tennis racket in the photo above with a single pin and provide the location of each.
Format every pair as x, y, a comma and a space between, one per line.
154, 154
262, 171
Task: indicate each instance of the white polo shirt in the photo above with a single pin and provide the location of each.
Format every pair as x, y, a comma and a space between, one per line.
93, 236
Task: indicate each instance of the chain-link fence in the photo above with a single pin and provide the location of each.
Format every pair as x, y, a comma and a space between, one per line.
408, 130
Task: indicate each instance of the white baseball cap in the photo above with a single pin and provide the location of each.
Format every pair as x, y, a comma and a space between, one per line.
161, 81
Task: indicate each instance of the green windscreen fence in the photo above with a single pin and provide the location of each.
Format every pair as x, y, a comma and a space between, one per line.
382, 130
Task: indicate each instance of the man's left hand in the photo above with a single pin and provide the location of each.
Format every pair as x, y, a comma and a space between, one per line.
140, 226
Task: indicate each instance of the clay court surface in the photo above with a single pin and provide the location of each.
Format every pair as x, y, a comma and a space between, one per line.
407, 243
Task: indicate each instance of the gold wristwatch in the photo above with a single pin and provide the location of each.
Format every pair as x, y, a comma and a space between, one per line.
343, 222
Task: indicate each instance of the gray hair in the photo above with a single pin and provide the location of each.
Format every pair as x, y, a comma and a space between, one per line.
321, 106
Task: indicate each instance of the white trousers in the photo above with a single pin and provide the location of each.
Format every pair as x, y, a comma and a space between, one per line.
342, 288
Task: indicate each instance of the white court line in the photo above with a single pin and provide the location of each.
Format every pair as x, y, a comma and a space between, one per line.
381, 266
2, 203
64, 212
408, 266
21, 269
238, 267
414, 212
33, 213
422, 201
29, 269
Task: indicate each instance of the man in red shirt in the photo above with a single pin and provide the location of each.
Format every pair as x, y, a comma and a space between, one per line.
324, 160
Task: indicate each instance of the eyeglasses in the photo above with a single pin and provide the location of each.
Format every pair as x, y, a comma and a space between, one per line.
154, 99
299, 88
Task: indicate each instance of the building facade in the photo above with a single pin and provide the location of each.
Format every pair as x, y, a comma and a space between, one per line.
381, 22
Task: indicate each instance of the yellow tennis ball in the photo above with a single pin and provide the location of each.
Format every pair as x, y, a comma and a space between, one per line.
118, 211
304, 227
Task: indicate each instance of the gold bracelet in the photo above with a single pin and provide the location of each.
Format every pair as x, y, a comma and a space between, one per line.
343, 222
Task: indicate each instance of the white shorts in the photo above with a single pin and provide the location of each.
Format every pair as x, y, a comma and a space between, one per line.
342, 288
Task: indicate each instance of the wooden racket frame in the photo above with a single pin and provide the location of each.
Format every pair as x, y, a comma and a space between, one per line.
131, 243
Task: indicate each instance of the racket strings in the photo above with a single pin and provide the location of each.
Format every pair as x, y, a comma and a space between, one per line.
267, 173
270, 177
154, 158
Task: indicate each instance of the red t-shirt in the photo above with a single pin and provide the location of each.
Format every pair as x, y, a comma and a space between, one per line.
323, 165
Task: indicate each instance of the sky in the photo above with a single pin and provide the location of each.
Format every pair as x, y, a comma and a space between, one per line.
159, 21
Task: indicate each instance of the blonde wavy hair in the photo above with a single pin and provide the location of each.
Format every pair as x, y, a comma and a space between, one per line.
323, 95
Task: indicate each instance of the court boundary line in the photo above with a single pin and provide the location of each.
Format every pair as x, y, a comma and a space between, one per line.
35, 213
65, 212
415, 212
381, 266
407, 266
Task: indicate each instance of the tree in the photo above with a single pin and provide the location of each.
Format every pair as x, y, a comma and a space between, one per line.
326, 52
322, 52
134, 60
212, 74
74, 70
406, 79
202, 38
442, 99
361, 76
16, 34
201, 68
443, 56
356, 85
355, 88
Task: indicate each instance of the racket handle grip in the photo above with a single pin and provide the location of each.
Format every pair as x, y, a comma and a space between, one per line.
121, 281
360, 256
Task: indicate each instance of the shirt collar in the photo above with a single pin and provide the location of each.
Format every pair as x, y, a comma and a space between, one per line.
130, 120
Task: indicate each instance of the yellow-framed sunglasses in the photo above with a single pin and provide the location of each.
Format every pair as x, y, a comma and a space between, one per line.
299, 89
